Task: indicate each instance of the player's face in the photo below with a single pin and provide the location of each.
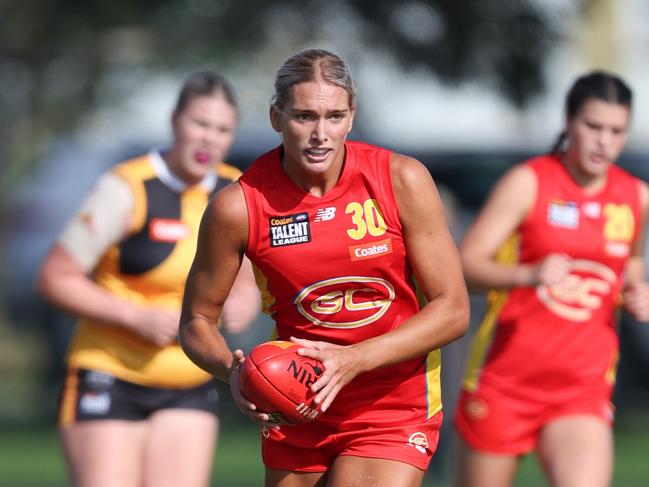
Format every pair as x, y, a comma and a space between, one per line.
203, 133
314, 124
597, 134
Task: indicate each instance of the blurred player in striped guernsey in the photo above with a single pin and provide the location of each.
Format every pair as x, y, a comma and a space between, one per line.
344, 238
134, 410
558, 241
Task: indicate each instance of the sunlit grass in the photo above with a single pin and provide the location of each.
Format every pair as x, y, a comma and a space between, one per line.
30, 456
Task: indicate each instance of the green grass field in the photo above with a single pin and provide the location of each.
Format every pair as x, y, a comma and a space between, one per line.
29, 457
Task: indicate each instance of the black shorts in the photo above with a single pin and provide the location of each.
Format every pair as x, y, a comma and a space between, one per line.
90, 395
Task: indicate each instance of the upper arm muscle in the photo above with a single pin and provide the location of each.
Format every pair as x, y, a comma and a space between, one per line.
430, 247
221, 241
507, 206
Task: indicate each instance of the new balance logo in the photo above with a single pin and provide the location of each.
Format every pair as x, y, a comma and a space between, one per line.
324, 214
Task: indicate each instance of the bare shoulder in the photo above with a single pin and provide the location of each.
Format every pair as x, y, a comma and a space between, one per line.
227, 212
416, 194
408, 173
515, 190
520, 175
229, 203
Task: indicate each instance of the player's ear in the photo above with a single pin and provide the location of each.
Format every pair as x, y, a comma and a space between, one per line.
275, 115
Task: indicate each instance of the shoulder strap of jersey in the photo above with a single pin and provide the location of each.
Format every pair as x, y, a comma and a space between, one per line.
135, 172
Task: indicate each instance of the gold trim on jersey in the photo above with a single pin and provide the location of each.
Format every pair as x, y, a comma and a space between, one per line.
481, 342
611, 371
433, 382
134, 172
433, 365
267, 299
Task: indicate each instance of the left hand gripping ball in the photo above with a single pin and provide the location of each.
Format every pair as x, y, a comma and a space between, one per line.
278, 382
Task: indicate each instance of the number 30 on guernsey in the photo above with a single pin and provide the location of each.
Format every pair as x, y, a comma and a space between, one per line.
367, 218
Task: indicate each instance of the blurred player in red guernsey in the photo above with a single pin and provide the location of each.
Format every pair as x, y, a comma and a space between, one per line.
344, 238
559, 239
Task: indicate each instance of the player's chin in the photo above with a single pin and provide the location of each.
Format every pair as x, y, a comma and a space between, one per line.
316, 166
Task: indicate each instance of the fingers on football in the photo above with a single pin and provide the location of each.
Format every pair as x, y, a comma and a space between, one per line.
329, 394
311, 353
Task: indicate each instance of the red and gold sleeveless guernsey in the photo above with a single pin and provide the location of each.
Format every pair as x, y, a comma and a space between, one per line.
149, 267
334, 268
556, 344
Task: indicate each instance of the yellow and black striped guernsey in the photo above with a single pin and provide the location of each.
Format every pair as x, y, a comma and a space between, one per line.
149, 267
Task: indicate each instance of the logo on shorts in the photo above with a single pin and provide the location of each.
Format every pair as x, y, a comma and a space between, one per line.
419, 441
289, 229
99, 380
476, 409
95, 403
213, 396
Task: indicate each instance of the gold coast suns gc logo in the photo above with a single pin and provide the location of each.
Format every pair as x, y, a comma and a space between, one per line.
419, 441
345, 302
581, 292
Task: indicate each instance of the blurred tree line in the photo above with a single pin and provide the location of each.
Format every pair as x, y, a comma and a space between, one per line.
61, 59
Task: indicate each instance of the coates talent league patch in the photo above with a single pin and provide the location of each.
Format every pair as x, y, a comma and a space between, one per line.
289, 229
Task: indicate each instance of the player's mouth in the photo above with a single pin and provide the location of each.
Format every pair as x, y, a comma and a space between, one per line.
317, 154
202, 157
598, 158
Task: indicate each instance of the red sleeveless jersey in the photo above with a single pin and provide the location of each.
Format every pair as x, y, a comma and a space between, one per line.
553, 343
334, 268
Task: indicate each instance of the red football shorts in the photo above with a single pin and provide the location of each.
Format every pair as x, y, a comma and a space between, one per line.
490, 422
313, 447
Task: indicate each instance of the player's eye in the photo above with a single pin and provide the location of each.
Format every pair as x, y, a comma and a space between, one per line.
593, 125
304, 117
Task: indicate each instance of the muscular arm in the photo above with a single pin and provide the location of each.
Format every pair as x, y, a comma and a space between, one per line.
436, 265
244, 301
221, 242
505, 209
